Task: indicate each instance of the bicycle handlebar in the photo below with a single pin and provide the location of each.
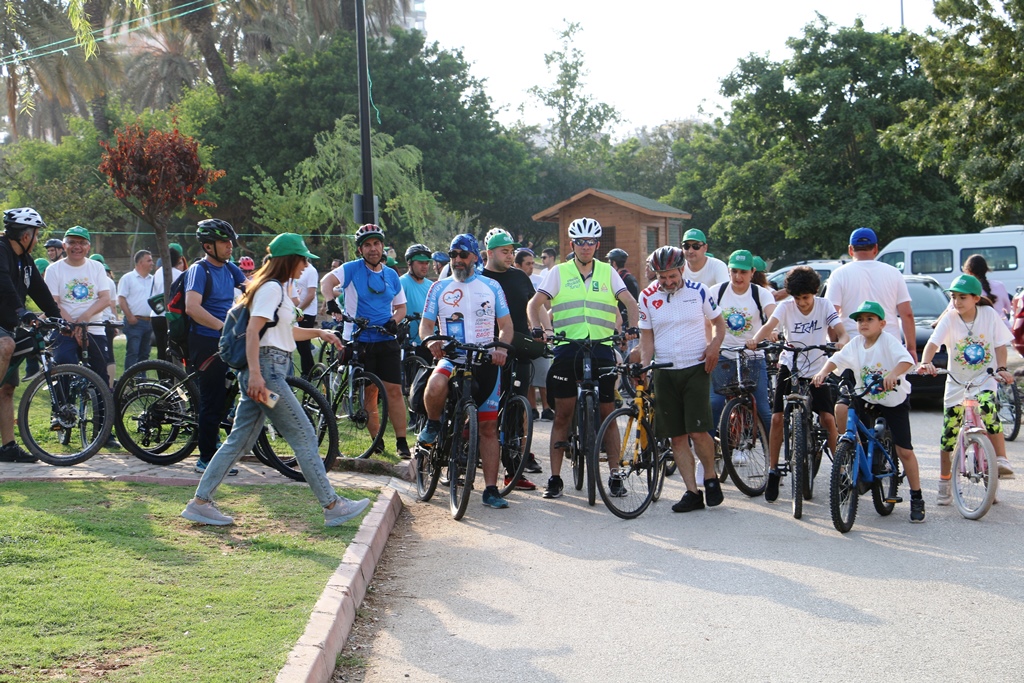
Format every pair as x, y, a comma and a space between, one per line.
453, 343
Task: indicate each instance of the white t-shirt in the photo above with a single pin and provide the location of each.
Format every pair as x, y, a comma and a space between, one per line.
859, 281
886, 353
265, 301
158, 284
714, 272
136, 290
677, 320
741, 318
971, 348
77, 287
309, 278
553, 281
108, 313
536, 279
806, 330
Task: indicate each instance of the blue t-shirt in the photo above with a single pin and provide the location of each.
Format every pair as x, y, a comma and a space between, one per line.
369, 294
222, 290
415, 299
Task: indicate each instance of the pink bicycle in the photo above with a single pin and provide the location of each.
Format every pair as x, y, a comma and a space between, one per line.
975, 473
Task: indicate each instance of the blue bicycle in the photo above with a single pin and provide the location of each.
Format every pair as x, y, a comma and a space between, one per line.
857, 469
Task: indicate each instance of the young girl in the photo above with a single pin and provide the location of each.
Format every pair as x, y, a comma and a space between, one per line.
977, 339
269, 363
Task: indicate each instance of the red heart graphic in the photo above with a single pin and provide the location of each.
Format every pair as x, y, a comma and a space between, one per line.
657, 303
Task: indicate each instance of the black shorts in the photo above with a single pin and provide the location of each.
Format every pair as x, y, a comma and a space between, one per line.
24, 345
383, 359
823, 399
566, 370
896, 417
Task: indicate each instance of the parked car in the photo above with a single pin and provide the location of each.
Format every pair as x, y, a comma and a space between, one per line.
928, 301
823, 267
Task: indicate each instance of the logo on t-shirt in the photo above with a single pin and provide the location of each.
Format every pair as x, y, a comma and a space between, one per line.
736, 321
657, 303
452, 297
972, 353
79, 290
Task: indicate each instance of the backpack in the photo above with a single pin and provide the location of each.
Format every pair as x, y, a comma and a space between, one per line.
753, 292
178, 322
231, 347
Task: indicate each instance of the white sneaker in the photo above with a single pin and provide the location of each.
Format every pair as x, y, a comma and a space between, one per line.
1005, 471
344, 510
205, 513
945, 492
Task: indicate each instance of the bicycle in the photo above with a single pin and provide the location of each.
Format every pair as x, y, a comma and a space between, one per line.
640, 472
805, 441
458, 442
743, 435
157, 406
1008, 403
974, 469
74, 421
411, 361
856, 469
357, 396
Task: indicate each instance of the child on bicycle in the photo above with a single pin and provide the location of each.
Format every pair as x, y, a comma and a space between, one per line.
805, 320
976, 337
867, 357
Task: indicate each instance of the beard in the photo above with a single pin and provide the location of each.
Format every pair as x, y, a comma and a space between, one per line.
461, 272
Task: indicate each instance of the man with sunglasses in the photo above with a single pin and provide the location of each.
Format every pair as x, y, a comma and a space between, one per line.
584, 295
372, 291
700, 267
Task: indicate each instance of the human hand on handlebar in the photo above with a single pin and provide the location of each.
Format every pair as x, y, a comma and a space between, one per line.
436, 349
499, 356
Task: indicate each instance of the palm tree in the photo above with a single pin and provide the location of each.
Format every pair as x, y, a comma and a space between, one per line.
158, 72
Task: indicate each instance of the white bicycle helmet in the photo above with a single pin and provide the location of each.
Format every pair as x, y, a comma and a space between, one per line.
583, 228
367, 231
24, 218
496, 231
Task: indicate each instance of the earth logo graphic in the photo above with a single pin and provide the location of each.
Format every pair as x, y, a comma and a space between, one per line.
80, 292
974, 354
736, 322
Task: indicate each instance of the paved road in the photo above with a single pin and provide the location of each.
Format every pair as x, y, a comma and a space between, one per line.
559, 591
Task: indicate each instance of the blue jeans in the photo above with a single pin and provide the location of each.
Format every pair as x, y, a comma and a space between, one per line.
288, 419
724, 373
139, 340
67, 350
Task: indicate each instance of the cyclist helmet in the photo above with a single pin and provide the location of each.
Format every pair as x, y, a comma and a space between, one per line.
17, 221
365, 232
417, 250
667, 258
53, 243
246, 263
440, 257
213, 230
584, 228
617, 256
496, 231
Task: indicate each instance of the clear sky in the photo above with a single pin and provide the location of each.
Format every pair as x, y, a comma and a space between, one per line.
654, 60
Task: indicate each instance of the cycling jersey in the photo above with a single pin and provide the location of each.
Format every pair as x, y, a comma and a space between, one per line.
677, 320
369, 294
466, 310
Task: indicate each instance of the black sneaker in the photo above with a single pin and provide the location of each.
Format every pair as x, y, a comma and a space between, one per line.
535, 414
555, 487
12, 452
713, 491
547, 415
532, 466
771, 491
616, 487
403, 451
690, 501
917, 510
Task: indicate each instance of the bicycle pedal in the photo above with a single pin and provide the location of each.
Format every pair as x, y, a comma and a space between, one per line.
893, 501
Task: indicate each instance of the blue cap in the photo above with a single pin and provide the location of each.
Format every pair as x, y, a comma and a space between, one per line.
863, 237
466, 242
440, 257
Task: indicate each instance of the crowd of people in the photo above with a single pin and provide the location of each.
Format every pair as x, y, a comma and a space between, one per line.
689, 310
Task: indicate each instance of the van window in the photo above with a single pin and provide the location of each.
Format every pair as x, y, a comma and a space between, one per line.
896, 259
997, 258
926, 262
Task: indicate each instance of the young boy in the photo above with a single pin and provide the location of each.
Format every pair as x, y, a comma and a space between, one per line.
869, 356
805, 320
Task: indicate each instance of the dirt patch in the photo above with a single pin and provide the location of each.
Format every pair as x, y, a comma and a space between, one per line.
98, 668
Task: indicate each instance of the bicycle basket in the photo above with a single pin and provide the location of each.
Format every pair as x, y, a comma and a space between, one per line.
730, 385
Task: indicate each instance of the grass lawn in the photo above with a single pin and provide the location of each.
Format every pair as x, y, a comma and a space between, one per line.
105, 579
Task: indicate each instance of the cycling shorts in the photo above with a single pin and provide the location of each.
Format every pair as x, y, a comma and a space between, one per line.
383, 358
24, 343
953, 417
567, 370
486, 387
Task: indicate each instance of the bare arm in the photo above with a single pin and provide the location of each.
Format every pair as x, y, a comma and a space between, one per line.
646, 347
307, 298
194, 309
327, 285
535, 311
128, 315
632, 312
713, 349
906, 314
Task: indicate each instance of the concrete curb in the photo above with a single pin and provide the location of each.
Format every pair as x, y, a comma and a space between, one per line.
313, 658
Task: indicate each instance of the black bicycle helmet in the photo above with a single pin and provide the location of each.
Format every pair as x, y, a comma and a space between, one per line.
667, 258
20, 220
53, 243
617, 256
213, 230
417, 250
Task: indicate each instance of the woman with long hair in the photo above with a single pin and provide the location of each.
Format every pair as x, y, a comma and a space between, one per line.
993, 290
269, 363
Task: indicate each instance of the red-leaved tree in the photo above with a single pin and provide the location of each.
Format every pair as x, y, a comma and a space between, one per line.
155, 174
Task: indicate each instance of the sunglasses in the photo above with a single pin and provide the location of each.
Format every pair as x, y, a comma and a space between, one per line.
693, 246
459, 254
584, 242
370, 280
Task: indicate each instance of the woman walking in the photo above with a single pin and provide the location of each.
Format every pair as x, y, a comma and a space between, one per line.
269, 354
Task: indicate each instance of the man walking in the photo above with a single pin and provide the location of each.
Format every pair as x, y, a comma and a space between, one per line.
700, 267
133, 292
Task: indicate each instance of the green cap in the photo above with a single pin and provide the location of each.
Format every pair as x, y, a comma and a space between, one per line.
872, 307
501, 239
759, 264
966, 284
41, 264
695, 235
288, 244
420, 257
175, 245
99, 257
391, 262
78, 231
741, 259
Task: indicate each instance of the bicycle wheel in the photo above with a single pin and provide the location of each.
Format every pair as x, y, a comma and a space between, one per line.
575, 452
156, 405
812, 460
886, 484
975, 475
627, 490
842, 491
362, 414
659, 482
65, 415
796, 452
411, 364
1008, 399
428, 465
280, 453
744, 447
589, 444
462, 459
516, 435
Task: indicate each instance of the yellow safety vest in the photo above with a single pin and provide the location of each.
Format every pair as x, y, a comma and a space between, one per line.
581, 308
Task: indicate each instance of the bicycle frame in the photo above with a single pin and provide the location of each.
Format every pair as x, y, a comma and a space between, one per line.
865, 457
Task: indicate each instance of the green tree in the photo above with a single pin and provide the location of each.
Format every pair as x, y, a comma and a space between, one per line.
645, 162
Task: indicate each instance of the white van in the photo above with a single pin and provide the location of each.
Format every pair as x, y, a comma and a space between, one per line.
942, 256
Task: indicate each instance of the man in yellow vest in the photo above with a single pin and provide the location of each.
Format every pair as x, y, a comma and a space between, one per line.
584, 295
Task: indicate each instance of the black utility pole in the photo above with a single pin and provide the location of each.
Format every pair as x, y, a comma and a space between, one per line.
365, 206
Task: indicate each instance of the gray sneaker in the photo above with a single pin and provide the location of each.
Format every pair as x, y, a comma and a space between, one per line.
205, 513
344, 510
945, 496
